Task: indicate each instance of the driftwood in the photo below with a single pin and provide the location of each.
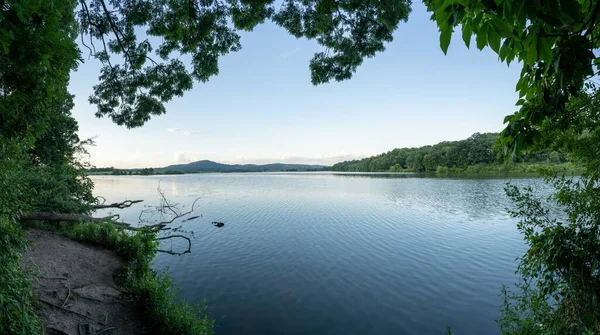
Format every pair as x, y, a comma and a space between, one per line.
168, 212
58, 217
171, 252
119, 205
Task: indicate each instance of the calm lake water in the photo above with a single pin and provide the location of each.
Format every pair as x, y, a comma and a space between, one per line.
321, 253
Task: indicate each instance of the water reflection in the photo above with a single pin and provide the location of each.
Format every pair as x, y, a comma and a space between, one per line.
328, 253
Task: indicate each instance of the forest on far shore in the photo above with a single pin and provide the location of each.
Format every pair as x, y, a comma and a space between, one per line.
478, 154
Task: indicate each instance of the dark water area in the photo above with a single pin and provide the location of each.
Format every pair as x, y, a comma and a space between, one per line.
324, 253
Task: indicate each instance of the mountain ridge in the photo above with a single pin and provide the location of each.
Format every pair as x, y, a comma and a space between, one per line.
211, 166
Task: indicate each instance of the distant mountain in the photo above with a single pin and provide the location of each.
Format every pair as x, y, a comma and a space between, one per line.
210, 166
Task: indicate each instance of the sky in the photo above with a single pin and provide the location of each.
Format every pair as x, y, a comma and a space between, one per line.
262, 107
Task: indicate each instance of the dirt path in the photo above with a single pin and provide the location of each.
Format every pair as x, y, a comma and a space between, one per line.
75, 286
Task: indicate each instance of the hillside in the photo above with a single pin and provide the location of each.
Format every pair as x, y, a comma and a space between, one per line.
474, 154
210, 166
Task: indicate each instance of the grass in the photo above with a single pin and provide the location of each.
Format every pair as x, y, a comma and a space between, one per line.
17, 303
153, 293
514, 168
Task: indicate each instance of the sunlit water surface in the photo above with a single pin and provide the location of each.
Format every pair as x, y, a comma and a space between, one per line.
321, 253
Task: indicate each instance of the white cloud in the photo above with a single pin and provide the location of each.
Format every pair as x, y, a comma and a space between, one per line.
182, 131
298, 159
181, 157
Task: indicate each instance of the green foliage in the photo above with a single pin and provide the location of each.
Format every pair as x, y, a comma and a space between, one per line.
554, 41
17, 309
153, 293
560, 288
477, 154
168, 172
39, 147
151, 74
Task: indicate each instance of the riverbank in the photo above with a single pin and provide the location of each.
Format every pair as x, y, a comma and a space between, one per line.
151, 294
76, 287
537, 169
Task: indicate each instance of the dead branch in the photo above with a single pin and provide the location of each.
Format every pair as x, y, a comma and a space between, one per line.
165, 209
98, 200
171, 252
119, 205
58, 217
192, 218
169, 212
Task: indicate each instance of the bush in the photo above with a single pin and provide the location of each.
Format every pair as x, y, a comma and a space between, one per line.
17, 309
152, 292
559, 292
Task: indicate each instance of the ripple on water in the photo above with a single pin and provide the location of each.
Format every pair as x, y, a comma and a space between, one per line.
326, 254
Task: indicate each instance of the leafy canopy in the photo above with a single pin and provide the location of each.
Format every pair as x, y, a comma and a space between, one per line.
554, 40
139, 75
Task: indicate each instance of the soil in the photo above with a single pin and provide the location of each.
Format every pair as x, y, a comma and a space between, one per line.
75, 287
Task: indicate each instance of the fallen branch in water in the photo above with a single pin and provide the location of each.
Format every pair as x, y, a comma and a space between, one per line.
60, 217
165, 209
168, 212
119, 205
171, 252
57, 217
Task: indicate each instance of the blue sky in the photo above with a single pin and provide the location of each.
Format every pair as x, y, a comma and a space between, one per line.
262, 107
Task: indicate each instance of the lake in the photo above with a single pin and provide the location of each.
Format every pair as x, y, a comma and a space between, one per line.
325, 253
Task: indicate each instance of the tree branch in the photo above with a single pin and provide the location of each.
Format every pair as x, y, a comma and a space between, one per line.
171, 252
114, 29
57, 217
119, 205
592, 19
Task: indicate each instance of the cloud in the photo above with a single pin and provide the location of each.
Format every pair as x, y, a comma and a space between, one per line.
182, 131
298, 159
181, 157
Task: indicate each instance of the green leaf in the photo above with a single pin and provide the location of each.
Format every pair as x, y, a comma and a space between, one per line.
467, 32
544, 49
532, 55
493, 38
442, 15
445, 37
572, 8
5, 46
551, 20
481, 38
504, 50
556, 63
501, 27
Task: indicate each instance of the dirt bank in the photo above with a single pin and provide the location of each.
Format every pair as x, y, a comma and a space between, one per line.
75, 286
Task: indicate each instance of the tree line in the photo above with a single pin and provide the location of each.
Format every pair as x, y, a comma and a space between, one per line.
479, 150
131, 172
